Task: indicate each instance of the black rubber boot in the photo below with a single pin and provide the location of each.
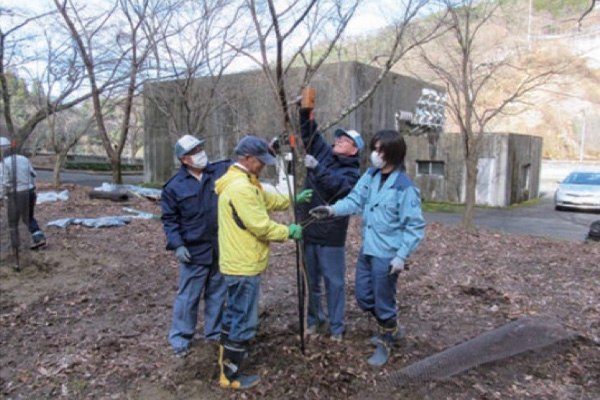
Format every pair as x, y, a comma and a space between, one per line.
38, 239
231, 356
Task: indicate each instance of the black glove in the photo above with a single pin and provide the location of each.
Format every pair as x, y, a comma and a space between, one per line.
275, 145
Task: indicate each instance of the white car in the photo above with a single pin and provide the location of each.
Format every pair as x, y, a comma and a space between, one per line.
580, 190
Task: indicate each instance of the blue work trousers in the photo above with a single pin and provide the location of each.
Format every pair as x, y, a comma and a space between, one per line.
329, 263
196, 280
241, 310
376, 288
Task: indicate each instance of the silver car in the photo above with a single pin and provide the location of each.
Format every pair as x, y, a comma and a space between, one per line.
580, 190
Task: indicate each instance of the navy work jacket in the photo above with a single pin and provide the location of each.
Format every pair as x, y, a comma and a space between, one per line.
189, 212
332, 179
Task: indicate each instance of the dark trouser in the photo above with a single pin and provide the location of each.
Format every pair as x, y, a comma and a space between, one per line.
21, 207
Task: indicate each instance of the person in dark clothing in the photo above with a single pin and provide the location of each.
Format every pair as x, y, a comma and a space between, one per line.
17, 178
189, 217
332, 172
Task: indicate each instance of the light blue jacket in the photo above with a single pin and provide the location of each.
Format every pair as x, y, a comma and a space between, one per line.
392, 224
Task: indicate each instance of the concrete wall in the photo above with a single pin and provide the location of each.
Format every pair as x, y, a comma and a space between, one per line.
447, 149
524, 167
509, 165
508, 168
245, 105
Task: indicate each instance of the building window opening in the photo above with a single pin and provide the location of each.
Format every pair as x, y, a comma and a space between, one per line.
434, 168
525, 176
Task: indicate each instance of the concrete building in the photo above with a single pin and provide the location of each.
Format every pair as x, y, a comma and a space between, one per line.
509, 164
508, 169
244, 104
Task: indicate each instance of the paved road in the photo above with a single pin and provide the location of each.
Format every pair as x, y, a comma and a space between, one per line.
538, 220
87, 179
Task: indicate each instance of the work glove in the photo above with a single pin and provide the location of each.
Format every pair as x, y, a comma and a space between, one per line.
295, 231
275, 144
321, 212
310, 162
297, 101
183, 254
304, 197
396, 266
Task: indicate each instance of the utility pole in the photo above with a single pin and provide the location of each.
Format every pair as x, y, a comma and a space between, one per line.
529, 25
582, 147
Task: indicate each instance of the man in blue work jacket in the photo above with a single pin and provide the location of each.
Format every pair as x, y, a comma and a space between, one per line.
189, 217
332, 171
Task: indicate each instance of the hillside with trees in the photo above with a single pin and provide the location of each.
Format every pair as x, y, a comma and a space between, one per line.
566, 110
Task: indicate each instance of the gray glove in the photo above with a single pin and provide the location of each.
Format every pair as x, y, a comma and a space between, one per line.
310, 162
183, 254
321, 212
396, 266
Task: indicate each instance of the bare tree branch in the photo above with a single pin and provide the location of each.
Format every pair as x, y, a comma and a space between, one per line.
471, 77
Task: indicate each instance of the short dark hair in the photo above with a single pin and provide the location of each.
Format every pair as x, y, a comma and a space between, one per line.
391, 145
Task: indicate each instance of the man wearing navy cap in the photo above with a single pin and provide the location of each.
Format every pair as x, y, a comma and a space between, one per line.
189, 217
332, 171
245, 231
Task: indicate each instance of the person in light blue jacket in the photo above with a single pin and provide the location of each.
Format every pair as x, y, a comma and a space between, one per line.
392, 228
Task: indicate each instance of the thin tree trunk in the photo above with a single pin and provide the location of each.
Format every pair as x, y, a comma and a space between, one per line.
467, 220
115, 165
58, 162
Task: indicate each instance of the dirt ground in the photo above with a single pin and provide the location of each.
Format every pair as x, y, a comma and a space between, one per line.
88, 317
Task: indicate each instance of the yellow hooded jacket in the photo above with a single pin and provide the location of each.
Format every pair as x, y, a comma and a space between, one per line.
245, 228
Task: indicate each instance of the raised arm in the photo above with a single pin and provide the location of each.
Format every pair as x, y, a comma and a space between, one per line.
313, 140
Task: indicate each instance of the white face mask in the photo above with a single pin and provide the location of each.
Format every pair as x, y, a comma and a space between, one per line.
376, 160
199, 160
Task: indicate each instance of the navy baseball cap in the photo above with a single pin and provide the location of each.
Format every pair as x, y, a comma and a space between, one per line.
256, 147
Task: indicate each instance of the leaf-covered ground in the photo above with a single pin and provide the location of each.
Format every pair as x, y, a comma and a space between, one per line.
89, 314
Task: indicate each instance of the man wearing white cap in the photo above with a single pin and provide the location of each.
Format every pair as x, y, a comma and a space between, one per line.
18, 184
189, 217
332, 173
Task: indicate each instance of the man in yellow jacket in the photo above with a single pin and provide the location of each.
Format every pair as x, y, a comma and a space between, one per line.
245, 231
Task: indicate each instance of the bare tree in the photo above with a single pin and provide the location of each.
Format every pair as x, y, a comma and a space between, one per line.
481, 85
65, 130
589, 10
114, 41
287, 35
55, 86
193, 47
